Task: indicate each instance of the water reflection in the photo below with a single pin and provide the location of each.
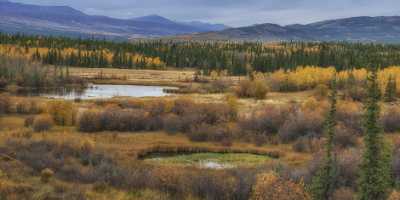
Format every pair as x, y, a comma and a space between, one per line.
100, 91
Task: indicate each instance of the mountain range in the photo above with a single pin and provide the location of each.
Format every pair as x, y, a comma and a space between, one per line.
356, 29
66, 21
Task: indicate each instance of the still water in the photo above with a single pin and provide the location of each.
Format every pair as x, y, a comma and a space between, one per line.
103, 91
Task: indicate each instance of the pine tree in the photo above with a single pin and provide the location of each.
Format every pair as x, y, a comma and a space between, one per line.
324, 183
375, 178
390, 90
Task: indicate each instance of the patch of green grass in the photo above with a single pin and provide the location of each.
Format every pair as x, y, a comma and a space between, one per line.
222, 159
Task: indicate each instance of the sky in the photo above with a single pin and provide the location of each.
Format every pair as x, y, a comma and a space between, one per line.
233, 13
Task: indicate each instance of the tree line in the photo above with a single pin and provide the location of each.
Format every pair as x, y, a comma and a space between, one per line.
237, 57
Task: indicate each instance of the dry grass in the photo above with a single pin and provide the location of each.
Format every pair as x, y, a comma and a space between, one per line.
133, 77
125, 147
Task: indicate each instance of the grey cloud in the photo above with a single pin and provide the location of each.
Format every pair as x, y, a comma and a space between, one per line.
233, 12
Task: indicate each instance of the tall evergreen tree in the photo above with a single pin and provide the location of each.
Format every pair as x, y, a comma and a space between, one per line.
390, 90
324, 183
375, 177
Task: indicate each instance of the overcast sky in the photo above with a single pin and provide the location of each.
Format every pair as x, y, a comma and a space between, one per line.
233, 12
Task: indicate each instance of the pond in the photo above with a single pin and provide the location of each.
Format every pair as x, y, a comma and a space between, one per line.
210, 160
102, 91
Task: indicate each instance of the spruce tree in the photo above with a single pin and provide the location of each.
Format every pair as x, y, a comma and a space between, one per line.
375, 178
324, 182
390, 90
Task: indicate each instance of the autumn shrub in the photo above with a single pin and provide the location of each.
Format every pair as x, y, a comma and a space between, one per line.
159, 107
167, 179
348, 167
63, 112
202, 132
218, 86
321, 91
3, 83
267, 121
348, 162
132, 103
23, 107
345, 137
355, 93
89, 121
123, 120
252, 89
29, 121
28, 107
244, 89
214, 185
5, 104
216, 113
46, 175
270, 186
183, 105
395, 195
302, 145
350, 115
154, 123
344, 193
390, 119
301, 123
233, 104
172, 123
260, 89
396, 161
42, 123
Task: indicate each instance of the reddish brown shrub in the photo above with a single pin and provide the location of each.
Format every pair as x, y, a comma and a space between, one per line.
350, 115
345, 137
267, 122
270, 186
201, 132
5, 104
172, 123
301, 123
42, 123
182, 106
89, 121
218, 86
391, 119
29, 121
46, 175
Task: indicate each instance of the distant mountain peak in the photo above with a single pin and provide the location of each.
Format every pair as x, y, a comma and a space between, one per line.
67, 21
354, 29
153, 18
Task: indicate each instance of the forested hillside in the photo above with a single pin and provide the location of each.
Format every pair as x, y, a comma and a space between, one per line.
237, 58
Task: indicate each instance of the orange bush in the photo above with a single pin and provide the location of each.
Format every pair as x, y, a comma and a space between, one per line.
5, 104
63, 112
270, 186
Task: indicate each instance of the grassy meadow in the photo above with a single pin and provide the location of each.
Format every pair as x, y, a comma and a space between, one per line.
237, 130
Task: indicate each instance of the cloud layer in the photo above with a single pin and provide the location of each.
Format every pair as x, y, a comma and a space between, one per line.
233, 12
